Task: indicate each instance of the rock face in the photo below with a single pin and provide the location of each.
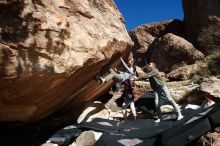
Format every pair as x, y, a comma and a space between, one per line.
144, 35
201, 23
51, 51
171, 50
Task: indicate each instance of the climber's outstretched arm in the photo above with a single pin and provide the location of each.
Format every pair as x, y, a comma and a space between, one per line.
130, 70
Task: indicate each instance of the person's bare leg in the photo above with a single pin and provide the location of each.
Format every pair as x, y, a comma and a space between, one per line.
132, 106
124, 110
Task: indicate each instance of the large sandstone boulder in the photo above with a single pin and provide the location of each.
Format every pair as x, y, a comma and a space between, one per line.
51, 51
202, 23
171, 50
144, 35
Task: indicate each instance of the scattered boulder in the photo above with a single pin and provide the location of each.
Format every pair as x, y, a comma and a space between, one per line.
179, 90
116, 115
143, 36
114, 104
167, 109
183, 73
171, 50
202, 23
87, 138
211, 86
210, 139
197, 93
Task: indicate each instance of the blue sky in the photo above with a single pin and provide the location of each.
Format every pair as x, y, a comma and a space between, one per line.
137, 12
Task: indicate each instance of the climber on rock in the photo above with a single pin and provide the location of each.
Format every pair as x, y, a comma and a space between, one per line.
117, 75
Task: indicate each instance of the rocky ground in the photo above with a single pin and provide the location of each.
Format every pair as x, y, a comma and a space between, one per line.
186, 93
109, 107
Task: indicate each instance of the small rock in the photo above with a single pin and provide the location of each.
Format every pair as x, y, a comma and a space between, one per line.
87, 138
211, 86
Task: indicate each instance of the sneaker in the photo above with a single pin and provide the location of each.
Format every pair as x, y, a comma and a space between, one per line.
100, 79
180, 117
157, 120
